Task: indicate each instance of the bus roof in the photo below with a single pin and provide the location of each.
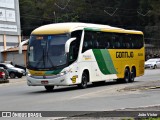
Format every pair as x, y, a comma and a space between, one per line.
62, 28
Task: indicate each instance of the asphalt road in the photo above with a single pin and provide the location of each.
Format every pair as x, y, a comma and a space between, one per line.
17, 96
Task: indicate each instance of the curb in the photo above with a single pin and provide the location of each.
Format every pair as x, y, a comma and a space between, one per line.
11, 81
4, 81
146, 88
156, 87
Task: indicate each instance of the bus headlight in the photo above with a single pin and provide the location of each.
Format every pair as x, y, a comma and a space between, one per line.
65, 72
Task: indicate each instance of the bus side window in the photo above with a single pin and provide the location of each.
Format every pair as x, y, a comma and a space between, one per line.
127, 45
105, 40
85, 45
90, 44
137, 41
88, 41
117, 41
96, 40
107, 45
113, 42
85, 42
126, 41
96, 44
132, 45
118, 45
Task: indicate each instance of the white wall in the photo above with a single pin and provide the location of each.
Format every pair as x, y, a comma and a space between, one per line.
1, 43
16, 58
11, 41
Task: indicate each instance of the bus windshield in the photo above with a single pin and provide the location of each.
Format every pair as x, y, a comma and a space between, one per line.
47, 51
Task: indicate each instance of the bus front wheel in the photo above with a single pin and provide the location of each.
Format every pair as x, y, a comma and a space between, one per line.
84, 81
49, 88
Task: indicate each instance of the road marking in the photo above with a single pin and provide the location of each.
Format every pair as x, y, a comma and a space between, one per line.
92, 93
156, 87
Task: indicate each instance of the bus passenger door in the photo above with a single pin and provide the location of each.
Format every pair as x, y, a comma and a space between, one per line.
73, 52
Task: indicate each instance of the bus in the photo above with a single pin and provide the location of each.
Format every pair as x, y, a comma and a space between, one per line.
64, 54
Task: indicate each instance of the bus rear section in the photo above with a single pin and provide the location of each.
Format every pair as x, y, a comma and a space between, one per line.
117, 54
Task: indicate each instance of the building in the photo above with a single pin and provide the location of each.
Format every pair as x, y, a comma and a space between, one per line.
10, 30
12, 54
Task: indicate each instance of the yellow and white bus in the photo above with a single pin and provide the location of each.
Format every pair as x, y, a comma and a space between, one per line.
78, 53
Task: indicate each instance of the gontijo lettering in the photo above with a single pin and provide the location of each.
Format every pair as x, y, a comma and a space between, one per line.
124, 54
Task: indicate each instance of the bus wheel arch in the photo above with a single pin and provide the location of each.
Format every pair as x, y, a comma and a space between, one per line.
84, 79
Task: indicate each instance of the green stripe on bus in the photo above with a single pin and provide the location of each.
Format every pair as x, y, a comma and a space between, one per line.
101, 62
108, 61
104, 61
92, 29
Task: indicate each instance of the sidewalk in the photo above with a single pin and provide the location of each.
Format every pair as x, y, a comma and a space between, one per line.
4, 81
15, 80
143, 86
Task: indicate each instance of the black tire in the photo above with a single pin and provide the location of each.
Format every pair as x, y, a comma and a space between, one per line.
132, 75
12, 75
19, 76
49, 88
126, 78
6, 74
155, 66
84, 81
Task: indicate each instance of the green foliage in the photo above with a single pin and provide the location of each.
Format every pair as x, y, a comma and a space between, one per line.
151, 119
132, 14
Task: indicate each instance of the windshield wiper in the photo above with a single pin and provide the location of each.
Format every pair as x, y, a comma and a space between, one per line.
48, 58
50, 61
44, 58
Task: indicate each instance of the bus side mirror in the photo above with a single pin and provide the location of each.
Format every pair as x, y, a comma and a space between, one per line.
67, 45
21, 45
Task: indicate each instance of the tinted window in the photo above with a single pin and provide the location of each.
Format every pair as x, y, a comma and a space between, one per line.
104, 40
74, 46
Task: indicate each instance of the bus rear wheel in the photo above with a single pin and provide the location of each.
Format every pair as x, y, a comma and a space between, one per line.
84, 81
49, 88
126, 78
132, 75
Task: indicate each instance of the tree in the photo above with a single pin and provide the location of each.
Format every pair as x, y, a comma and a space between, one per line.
137, 14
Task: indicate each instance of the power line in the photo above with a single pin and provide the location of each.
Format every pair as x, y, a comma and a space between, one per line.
143, 14
116, 9
61, 6
111, 14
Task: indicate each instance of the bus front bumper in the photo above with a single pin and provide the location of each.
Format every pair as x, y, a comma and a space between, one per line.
60, 80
